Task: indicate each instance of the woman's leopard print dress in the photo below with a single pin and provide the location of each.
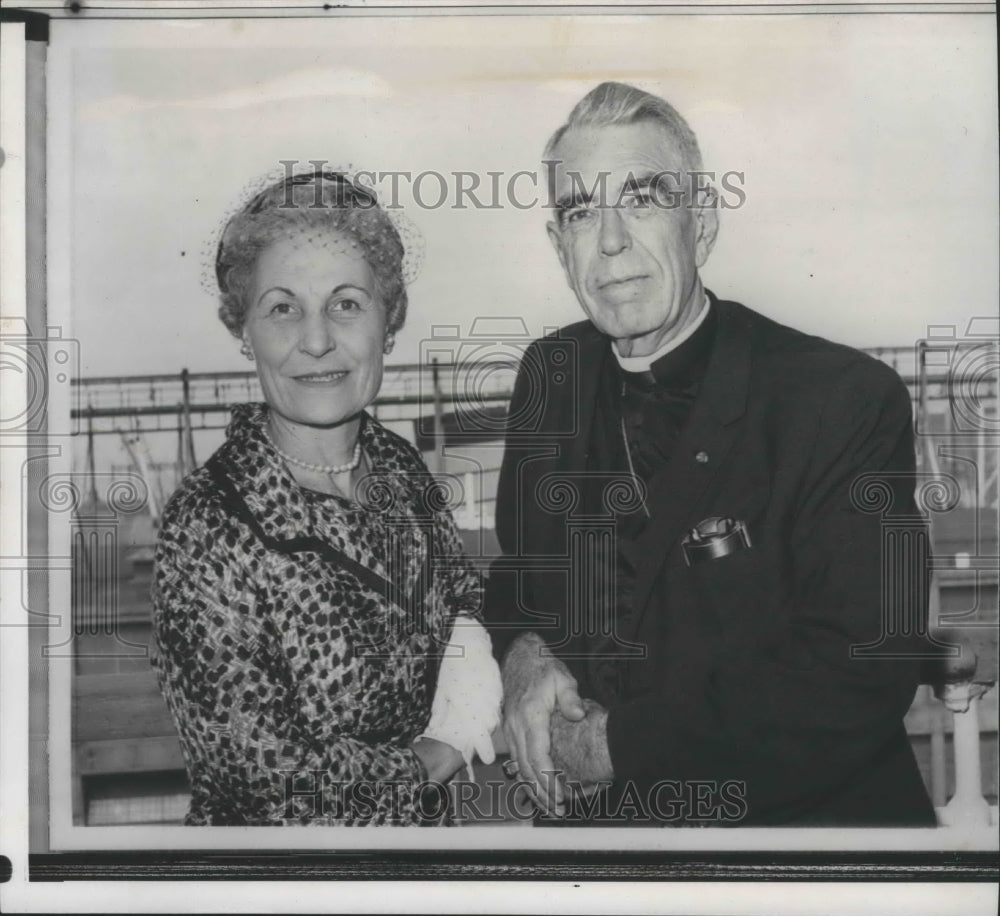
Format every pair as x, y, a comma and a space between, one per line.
298, 683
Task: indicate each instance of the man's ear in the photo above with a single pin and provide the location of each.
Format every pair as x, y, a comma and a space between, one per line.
557, 242
706, 218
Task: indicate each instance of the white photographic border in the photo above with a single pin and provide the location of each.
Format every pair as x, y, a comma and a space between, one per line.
64, 836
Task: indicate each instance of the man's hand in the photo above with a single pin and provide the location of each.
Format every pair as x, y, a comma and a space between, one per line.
535, 685
580, 749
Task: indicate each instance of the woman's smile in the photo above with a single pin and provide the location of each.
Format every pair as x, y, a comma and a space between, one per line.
321, 379
317, 328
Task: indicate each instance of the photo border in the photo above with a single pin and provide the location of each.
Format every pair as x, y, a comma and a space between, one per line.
915, 863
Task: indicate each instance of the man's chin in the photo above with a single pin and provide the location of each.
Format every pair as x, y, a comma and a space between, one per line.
630, 341
625, 322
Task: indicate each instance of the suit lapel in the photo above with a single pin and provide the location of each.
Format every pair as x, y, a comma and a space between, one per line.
701, 452
572, 411
591, 365
571, 407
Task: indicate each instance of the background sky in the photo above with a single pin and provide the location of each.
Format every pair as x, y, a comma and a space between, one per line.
868, 143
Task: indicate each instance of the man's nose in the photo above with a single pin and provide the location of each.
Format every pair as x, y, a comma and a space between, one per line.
317, 337
614, 233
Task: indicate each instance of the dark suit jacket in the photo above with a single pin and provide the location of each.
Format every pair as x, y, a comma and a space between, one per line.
747, 675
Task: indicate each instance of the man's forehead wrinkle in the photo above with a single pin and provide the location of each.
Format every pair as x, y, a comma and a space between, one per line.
638, 172
607, 162
659, 161
582, 192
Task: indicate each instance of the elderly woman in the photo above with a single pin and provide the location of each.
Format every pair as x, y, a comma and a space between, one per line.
308, 579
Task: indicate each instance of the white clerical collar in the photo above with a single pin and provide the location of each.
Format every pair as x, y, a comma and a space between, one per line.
642, 363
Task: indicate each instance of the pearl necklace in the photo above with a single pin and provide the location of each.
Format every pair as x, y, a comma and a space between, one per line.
320, 468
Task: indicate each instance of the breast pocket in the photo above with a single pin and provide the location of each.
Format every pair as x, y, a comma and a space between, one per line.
730, 579
732, 587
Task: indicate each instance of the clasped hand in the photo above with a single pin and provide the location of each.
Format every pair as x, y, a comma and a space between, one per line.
535, 685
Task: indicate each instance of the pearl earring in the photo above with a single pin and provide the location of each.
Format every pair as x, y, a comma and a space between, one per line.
390, 342
246, 351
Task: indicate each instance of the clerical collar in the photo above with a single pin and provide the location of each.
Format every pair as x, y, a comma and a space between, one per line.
679, 364
643, 363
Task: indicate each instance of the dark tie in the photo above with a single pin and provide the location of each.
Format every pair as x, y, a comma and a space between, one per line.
653, 415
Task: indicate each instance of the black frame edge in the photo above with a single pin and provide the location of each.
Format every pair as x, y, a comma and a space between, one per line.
575, 865
36, 25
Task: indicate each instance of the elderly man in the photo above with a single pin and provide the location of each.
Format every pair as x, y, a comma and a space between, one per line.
690, 602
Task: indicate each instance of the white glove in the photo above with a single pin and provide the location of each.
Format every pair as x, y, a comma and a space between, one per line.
467, 700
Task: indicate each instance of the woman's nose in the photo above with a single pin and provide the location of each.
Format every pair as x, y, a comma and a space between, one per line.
614, 233
317, 337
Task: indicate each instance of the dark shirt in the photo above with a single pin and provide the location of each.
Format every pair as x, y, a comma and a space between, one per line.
643, 412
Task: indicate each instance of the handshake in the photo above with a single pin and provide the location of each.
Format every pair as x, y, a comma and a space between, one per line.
557, 741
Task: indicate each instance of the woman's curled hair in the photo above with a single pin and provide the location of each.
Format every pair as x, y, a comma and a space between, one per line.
310, 205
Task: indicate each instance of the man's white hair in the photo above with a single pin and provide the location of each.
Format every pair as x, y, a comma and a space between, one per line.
614, 104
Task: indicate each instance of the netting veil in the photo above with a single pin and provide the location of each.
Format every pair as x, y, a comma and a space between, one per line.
327, 209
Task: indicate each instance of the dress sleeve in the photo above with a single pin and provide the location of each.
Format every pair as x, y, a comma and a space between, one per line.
463, 582
252, 755
468, 694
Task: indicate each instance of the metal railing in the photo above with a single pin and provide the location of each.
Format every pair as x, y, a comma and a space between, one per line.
953, 389
158, 403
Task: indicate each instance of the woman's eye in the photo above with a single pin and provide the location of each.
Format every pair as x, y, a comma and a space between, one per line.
346, 305
282, 308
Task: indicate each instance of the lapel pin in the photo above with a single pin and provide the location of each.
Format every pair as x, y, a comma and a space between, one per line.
714, 538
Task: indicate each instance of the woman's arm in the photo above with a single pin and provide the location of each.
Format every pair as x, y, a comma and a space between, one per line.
468, 694
467, 698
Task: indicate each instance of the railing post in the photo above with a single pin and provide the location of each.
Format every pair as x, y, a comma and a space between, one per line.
967, 807
438, 419
470, 515
188, 430
182, 469
939, 766
91, 462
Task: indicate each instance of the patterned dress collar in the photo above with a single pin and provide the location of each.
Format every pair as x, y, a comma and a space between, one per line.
262, 479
